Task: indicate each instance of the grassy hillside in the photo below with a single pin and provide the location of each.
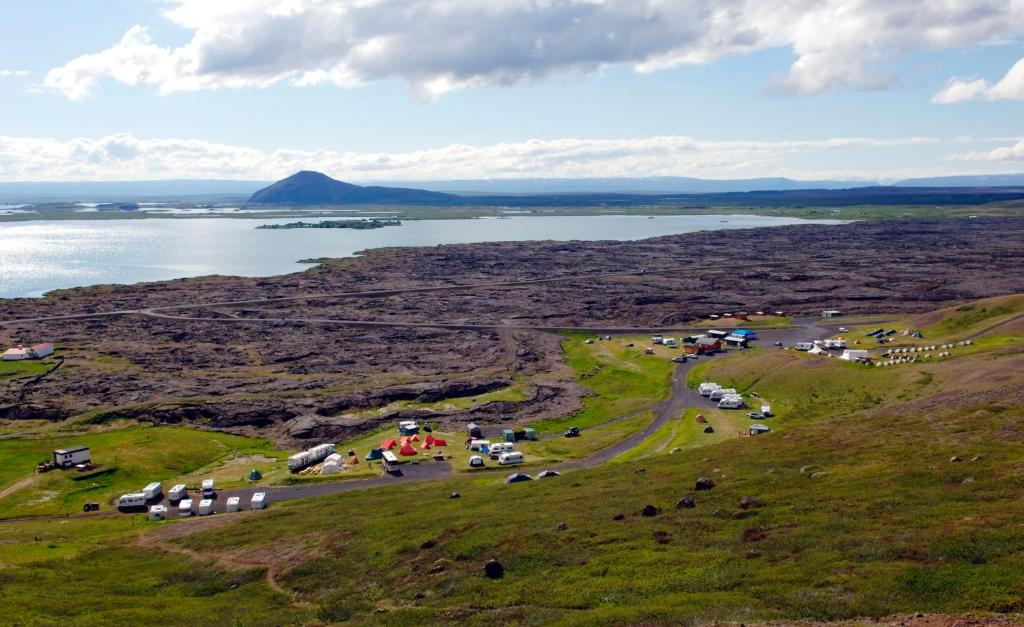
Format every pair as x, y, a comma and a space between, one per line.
882, 490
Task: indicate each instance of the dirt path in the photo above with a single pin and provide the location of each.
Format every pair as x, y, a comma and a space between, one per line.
18, 485
163, 538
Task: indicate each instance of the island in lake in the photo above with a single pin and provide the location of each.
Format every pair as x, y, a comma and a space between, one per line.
373, 223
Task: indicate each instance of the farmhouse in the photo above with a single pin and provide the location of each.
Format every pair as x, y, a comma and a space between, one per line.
65, 457
36, 351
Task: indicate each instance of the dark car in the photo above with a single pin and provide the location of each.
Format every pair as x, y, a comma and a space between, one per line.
572, 432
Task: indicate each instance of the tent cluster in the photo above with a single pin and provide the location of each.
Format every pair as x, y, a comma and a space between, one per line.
405, 444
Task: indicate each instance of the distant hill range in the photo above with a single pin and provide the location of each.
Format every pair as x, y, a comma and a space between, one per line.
314, 188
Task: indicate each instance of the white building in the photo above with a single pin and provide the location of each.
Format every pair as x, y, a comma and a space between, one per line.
65, 457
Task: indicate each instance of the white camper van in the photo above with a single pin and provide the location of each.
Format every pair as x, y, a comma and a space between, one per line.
721, 393
234, 504
177, 493
158, 512
706, 388
153, 490
205, 507
258, 501
185, 508
208, 490
499, 448
132, 500
731, 402
512, 457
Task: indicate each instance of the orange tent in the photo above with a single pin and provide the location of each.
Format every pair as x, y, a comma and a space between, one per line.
388, 444
407, 450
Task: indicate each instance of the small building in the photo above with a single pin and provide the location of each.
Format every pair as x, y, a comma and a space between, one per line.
707, 346
67, 457
831, 313
36, 351
508, 435
15, 354
474, 430
531, 433
854, 355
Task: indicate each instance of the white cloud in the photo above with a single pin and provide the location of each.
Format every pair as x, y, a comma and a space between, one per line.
1010, 87
14, 73
1003, 153
126, 157
440, 46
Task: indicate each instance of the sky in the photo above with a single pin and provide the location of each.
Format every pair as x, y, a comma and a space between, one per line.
368, 90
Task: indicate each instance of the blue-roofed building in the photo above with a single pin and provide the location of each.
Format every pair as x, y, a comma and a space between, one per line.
750, 335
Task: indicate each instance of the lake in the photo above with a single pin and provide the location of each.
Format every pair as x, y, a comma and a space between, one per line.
39, 256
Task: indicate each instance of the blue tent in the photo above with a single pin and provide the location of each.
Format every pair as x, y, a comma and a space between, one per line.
375, 453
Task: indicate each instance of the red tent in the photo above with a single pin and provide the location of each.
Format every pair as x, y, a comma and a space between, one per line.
407, 450
425, 447
429, 439
388, 444
404, 440
439, 442
415, 438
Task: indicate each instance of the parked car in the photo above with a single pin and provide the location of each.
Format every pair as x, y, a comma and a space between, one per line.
91, 506
755, 415
843, 330
572, 432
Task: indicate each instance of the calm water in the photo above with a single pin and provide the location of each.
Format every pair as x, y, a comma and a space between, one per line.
39, 256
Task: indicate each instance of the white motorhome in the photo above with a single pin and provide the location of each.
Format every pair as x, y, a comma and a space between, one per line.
258, 501
185, 508
205, 507
705, 389
208, 490
499, 448
512, 457
721, 393
158, 512
731, 402
308, 457
153, 490
177, 493
233, 504
389, 460
670, 342
132, 500
803, 346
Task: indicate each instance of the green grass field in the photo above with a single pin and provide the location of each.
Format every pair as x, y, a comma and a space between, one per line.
26, 368
128, 459
622, 378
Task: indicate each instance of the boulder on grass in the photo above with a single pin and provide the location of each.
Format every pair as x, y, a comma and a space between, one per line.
704, 484
494, 570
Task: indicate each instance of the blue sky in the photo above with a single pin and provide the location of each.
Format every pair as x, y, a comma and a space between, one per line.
187, 99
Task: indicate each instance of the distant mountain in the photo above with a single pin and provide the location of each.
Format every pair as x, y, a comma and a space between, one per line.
644, 185
314, 188
977, 180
